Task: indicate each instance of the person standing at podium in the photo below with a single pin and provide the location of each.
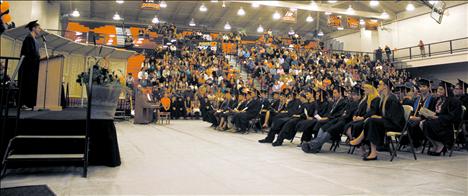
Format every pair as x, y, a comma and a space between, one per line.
29, 69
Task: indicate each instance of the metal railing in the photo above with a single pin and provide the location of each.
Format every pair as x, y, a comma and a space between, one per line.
431, 49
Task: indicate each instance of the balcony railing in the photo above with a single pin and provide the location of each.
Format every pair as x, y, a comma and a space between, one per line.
431, 49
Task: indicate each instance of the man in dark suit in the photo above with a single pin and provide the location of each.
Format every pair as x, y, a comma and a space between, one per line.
251, 111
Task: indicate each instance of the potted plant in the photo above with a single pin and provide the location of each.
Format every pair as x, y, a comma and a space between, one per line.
106, 89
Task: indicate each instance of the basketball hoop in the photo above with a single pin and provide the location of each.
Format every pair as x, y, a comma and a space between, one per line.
438, 9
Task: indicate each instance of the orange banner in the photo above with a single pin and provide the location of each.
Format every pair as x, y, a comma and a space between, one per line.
372, 24
334, 21
353, 23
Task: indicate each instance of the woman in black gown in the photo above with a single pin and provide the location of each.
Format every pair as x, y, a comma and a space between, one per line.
29, 70
390, 117
367, 107
438, 129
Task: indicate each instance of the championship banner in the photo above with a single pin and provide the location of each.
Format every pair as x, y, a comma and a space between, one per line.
150, 5
334, 21
290, 16
372, 24
353, 23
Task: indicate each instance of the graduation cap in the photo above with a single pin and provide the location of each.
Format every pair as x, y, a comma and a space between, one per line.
447, 86
463, 85
402, 88
424, 82
340, 89
32, 24
411, 86
357, 89
388, 83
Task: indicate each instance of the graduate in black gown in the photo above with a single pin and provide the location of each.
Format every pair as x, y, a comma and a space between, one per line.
251, 111
276, 106
438, 129
367, 107
29, 70
335, 110
321, 108
404, 93
293, 107
181, 109
461, 92
288, 131
390, 117
424, 99
266, 103
333, 128
227, 115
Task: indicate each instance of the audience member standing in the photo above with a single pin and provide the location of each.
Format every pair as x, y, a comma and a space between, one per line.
388, 51
421, 47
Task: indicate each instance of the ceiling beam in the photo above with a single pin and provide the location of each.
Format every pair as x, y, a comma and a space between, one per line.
319, 8
91, 9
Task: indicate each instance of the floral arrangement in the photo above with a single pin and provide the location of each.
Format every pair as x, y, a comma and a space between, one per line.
101, 76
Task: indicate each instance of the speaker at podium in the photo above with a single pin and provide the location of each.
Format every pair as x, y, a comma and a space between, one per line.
49, 84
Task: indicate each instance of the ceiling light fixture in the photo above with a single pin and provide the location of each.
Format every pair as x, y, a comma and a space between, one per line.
385, 15
328, 13
192, 23
255, 5
75, 13
119, 1
433, 2
332, 1
116, 16
260, 29
203, 8
214, 1
409, 7
227, 26
155, 20
309, 19
276, 15
313, 5
241, 12
350, 10
373, 3
163, 4
224, 4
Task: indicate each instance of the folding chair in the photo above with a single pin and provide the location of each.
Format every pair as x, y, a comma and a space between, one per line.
457, 129
394, 135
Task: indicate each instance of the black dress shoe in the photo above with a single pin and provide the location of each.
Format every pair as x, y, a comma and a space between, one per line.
277, 143
369, 159
265, 141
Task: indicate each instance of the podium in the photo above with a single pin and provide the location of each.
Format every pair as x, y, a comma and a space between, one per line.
50, 83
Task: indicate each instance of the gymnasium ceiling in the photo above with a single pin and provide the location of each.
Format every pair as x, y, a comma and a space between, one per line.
181, 12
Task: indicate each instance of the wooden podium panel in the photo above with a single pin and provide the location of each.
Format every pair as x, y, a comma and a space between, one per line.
53, 87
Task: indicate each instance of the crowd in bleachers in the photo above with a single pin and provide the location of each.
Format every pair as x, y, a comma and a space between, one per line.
312, 91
